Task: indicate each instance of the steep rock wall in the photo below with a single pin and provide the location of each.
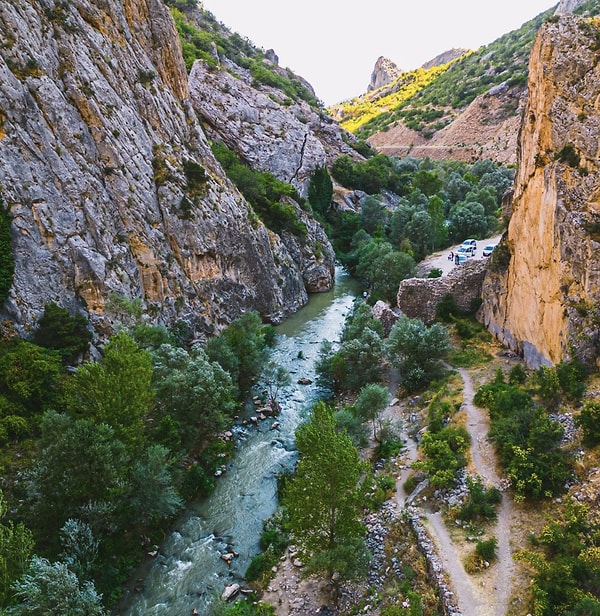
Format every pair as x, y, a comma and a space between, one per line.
541, 295
96, 130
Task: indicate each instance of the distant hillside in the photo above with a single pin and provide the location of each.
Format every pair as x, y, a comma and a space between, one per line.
415, 113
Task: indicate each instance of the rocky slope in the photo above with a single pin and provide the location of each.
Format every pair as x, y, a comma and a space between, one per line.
541, 295
111, 183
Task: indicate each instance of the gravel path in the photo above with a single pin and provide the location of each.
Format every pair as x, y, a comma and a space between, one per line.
476, 595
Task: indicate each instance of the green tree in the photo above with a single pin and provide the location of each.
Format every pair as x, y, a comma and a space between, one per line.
50, 588
373, 215
371, 400
79, 463
325, 498
241, 350
320, 191
69, 335
417, 351
16, 547
117, 389
194, 395
275, 377
153, 497
30, 377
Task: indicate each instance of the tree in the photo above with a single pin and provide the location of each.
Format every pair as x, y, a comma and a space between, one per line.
192, 394
153, 497
30, 377
320, 190
241, 350
7, 260
371, 400
69, 335
417, 350
373, 215
275, 377
325, 497
117, 389
50, 588
16, 546
79, 463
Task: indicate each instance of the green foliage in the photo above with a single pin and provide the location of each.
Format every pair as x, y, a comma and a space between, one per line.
481, 502
30, 378
241, 350
565, 379
263, 192
194, 397
589, 421
116, 390
58, 330
371, 400
566, 576
7, 261
417, 351
153, 497
445, 453
50, 588
59, 489
16, 547
320, 191
527, 440
486, 550
569, 155
324, 499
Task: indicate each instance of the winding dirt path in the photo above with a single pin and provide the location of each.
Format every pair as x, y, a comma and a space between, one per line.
487, 594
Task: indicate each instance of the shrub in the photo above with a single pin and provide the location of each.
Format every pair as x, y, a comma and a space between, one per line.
58, 330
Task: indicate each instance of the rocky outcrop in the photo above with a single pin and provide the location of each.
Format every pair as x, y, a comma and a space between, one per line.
385, 71
418, 298
112, 186
542, 298
266, 129
445, 57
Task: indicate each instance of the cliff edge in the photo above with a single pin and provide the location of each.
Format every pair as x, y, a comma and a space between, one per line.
541, 294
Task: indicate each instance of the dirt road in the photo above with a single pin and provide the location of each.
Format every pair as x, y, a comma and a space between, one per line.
485, 594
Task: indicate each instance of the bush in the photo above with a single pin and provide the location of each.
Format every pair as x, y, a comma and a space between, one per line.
487, 549
58, 330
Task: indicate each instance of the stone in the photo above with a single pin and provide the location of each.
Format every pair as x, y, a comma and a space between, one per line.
230, 592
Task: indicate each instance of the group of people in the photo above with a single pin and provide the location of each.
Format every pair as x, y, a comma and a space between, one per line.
453, 257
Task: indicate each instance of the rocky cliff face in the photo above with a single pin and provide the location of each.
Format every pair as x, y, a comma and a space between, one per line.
541, 297
384, 72
268, 130
111, 182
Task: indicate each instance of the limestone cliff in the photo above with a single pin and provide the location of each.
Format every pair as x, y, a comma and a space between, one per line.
542, 295
111, 183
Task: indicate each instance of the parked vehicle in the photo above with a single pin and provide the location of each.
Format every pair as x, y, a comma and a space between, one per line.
470, 245
460, 258
466, 251
488, 250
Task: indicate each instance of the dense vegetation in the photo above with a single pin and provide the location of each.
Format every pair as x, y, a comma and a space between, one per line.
412, 208
7, 262
144, 422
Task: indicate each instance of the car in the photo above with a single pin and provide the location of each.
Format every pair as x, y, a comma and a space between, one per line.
488, 250
470, 245
467, 251
460, 258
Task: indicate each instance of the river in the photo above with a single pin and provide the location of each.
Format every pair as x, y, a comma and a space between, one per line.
188, 573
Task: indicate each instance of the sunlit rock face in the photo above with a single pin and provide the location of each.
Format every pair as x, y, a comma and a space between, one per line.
542, 292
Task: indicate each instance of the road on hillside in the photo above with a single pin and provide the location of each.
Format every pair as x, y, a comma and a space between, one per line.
440, 260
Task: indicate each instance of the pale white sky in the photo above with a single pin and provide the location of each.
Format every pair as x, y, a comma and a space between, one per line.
334, 44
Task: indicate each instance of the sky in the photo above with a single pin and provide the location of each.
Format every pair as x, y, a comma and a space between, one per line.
334, 44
